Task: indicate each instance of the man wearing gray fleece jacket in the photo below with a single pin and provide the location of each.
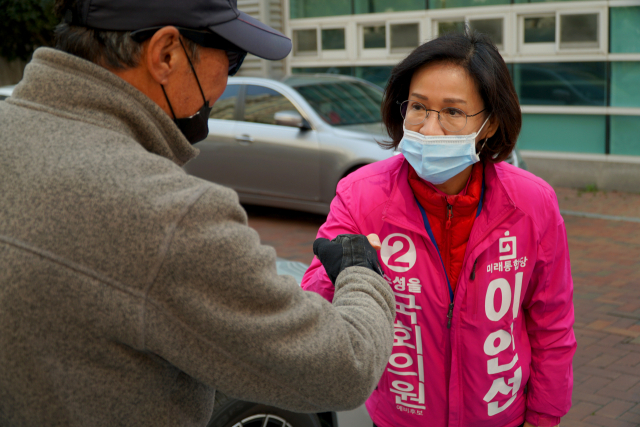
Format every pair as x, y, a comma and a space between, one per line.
130, 291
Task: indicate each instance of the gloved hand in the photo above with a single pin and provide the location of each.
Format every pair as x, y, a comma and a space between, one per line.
346, 250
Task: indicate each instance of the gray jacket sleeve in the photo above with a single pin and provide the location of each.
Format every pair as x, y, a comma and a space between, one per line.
218, 311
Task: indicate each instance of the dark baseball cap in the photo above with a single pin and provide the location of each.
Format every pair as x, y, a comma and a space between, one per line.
221, 17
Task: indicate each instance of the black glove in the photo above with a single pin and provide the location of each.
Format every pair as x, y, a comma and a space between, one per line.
346, 250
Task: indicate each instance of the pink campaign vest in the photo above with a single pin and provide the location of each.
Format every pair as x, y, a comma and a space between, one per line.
466, 364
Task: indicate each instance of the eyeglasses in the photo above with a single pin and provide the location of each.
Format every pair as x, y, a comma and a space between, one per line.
203, 38
450, 118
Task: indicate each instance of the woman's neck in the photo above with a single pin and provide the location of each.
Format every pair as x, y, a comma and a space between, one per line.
456, 184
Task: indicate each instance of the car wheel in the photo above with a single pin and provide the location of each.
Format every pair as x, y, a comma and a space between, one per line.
229, 412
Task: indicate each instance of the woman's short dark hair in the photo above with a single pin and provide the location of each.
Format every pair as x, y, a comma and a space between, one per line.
478, 55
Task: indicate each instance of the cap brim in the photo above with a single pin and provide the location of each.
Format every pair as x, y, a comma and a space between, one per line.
254, 37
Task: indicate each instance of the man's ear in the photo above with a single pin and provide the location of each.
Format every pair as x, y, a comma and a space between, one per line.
162, 56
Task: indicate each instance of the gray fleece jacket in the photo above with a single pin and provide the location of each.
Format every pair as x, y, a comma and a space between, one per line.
130, 291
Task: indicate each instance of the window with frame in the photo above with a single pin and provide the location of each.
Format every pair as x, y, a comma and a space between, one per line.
493, 27
453, 26
305, 42
566, 31
374, 36
561, 83
262, 103
333, 39
579, 31
404, 37
540, 29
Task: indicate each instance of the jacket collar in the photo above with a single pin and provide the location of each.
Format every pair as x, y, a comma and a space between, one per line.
401, 209
498, 213
71, 87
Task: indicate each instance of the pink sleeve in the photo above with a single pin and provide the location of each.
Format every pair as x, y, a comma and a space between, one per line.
549, 318
339, 221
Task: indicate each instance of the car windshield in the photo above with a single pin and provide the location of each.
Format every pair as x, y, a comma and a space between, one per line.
343, 103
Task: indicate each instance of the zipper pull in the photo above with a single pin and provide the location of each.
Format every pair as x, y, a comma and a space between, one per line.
473, 270
449, 215
449, 316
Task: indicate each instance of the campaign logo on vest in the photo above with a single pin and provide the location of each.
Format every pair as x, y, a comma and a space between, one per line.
398, 252
508, 259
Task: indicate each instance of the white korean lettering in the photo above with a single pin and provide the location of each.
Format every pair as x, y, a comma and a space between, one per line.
516, 294
393, 360
499, 386
401, 335
405, 392
513, 340
490, 349
399, 284
402, 308
507, 245
489, 306
493, 367
414, 286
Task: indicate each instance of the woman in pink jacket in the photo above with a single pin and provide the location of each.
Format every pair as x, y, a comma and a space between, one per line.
474, 248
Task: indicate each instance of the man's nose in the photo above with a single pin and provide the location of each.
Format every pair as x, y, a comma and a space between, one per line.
431, 125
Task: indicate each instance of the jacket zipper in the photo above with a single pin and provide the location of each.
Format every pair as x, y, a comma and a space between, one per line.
473, 270
447, 256
472, 289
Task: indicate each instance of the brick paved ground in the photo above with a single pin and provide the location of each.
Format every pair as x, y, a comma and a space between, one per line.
605, 260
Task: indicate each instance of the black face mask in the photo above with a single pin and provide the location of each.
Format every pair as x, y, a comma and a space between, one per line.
196, 127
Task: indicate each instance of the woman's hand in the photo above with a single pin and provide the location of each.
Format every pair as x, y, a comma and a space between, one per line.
374, 240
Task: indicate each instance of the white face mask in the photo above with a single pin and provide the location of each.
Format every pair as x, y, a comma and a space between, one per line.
438, 158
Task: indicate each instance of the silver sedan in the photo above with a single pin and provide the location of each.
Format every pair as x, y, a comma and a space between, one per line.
288, 143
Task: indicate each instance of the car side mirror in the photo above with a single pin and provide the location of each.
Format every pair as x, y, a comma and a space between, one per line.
292, 119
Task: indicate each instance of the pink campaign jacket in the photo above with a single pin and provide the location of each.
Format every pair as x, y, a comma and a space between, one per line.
509, 347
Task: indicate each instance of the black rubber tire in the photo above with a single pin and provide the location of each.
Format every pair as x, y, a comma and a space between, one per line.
227, 412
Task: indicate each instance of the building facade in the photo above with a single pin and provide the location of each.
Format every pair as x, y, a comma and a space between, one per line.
272, 13
575, 64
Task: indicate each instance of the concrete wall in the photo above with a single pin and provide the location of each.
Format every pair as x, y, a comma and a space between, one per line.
607, 172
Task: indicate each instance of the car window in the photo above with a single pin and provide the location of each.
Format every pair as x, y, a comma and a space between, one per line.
225, 106
344, 103
262, 103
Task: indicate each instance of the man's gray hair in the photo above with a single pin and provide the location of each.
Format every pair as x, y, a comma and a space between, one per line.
110, 49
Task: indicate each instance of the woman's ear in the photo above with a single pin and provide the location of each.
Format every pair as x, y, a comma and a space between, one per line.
161, 54
490, 128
